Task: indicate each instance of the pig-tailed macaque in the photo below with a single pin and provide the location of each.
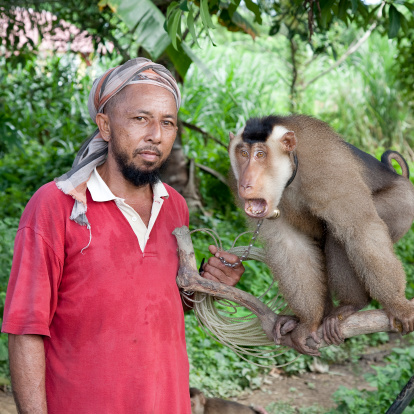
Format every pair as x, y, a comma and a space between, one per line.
202, 405
340, 209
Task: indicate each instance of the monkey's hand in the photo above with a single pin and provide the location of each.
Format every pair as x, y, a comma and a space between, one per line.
215, 270
283, 325
402, 320
299, 336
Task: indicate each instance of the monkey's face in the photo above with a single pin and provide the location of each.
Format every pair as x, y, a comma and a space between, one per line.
262, 168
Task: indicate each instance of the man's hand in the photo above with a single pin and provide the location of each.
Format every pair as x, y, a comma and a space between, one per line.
215, 270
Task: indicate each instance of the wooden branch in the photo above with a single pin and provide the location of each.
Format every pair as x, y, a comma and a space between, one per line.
359, 323
189, 280
203, 133
214, 173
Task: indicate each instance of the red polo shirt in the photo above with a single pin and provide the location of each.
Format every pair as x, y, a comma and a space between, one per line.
111, 316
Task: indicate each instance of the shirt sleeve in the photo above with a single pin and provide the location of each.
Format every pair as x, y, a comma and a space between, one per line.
32, 292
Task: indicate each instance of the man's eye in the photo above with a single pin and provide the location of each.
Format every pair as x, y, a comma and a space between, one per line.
244, 153
140, 118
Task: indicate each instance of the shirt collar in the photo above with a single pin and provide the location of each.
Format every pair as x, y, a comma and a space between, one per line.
100, 191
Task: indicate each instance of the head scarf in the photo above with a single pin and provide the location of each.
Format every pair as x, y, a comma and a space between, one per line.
95, 150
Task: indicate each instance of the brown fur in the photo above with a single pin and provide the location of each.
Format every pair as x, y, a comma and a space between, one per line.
202, 405
339, 219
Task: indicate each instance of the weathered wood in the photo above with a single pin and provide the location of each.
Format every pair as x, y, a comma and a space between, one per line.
364, 322
404, 398
189, 280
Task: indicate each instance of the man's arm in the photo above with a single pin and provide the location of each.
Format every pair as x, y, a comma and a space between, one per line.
27, 369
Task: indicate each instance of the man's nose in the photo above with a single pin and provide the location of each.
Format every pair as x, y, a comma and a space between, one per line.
155, 132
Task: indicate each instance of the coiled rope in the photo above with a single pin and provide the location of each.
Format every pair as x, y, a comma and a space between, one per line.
242, 334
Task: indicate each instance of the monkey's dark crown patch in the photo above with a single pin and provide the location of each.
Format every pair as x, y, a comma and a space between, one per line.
259, 129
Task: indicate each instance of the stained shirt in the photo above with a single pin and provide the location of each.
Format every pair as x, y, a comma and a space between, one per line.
111, 318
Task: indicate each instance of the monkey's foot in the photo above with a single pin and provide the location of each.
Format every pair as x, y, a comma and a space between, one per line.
299, 336
331, 325
402, 321
284, 324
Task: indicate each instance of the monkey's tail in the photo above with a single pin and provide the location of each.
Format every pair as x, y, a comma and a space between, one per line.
394, 155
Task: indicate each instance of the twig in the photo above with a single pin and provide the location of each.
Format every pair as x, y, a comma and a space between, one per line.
202, 132
352, 49
214, 173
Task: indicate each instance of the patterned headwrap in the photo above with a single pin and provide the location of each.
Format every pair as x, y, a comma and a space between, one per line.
94, 151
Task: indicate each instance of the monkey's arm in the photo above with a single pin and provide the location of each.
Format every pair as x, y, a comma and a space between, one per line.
27, 368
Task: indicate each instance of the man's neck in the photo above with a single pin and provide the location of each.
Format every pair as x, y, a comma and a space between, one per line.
121, 187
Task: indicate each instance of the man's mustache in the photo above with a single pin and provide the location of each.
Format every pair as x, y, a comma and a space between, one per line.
147, 148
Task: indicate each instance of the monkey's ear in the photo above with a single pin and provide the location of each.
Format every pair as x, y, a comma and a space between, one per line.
231, 135
288, 141
202, 399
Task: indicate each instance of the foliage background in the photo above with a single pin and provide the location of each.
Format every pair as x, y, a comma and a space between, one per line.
44, 119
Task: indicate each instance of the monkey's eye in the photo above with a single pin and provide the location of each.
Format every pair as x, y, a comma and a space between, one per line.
260, 154
244, 153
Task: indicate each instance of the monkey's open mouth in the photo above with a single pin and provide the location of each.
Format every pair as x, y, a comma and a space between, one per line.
255, 207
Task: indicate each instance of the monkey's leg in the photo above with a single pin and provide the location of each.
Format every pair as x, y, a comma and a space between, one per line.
350, 291
299, 266
370, 250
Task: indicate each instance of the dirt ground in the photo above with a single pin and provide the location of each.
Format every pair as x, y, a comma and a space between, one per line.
306, 390
315, 388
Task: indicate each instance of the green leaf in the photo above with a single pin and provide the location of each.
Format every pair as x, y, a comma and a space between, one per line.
147, 23
275, 28
191, 26
354, 6
207, 72
409, 6
253, 7
171, 8
205, 15
395, 22
234, 4
173, 24
179, 58
244, 24
342, 9
184, 6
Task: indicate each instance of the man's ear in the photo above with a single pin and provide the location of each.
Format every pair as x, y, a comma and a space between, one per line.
102, 120
288, 141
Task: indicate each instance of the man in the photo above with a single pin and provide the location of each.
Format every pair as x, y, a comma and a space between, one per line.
93, 312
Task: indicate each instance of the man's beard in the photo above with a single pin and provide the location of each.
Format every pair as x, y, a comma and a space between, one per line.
132, 173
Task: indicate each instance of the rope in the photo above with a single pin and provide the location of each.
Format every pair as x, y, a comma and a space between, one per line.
219, 318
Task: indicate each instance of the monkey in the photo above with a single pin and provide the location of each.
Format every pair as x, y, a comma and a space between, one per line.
340, 210
202, 405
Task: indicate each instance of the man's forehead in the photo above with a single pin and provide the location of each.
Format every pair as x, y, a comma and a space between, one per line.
144, 89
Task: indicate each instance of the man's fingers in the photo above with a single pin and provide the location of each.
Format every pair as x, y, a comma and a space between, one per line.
228, 257
218, 273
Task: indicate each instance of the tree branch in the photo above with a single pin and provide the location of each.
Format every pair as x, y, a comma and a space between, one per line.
203, 133
214, 173
352, 49
359, 323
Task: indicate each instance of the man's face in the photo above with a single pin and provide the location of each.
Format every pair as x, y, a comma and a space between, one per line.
143, 125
